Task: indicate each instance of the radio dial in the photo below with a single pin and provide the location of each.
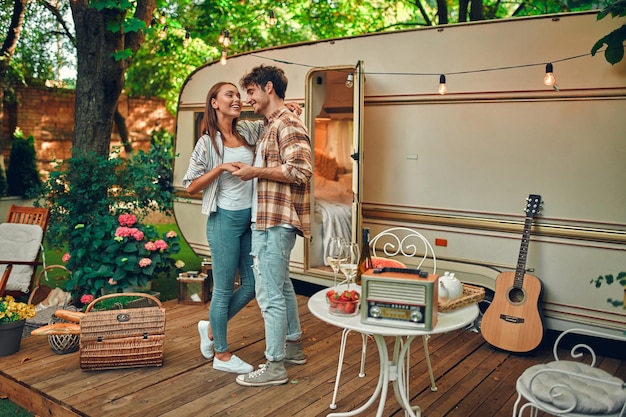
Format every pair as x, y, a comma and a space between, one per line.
416, 316
375, 312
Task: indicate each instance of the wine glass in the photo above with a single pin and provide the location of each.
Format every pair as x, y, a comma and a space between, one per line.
334, 251
350, 261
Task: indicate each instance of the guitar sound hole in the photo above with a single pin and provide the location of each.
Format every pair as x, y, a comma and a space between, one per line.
516, 295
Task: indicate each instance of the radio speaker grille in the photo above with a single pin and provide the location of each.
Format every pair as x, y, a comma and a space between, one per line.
397, 292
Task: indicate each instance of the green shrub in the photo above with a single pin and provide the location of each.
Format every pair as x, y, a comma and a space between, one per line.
3, 183
22, 175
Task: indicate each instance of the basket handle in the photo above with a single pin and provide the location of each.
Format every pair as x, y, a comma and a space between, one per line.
46, 269
123, 294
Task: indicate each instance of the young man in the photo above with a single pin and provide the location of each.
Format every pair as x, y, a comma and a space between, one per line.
281, 209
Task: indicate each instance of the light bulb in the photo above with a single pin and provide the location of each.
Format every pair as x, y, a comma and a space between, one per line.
226, 39
162, 18
350, 80
549, 77
187, 39
163, 33
221, 37
443, 89
223, 59
272, 19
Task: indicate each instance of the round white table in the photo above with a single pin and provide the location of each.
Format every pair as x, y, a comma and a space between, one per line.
390, 370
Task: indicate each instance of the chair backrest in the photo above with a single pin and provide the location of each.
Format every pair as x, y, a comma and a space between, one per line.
29, 215
402, 241
38, 216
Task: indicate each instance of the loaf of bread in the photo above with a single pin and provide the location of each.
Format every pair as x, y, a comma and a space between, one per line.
70, 315
57, 328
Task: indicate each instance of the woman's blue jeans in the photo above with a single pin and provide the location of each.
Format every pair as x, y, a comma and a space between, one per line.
228, 234
271, 250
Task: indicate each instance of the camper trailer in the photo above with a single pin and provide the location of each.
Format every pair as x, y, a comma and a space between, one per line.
390, 150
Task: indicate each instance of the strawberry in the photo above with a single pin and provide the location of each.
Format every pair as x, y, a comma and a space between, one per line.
349, 308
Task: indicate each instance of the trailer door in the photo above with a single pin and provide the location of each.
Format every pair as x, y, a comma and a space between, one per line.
357, 155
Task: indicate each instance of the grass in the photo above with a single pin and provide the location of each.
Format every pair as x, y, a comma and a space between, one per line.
165, 285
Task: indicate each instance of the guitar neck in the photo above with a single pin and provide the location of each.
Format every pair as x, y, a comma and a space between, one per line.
520, 271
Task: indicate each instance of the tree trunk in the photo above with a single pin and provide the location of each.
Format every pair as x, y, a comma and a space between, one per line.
122, 129
463, 6
442, 12
476, 10
7, 51
100, 77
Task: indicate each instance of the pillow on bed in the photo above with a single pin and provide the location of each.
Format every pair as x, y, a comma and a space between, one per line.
325, 166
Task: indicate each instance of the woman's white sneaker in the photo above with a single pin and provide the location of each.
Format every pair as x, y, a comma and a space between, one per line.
206, 344
234, 365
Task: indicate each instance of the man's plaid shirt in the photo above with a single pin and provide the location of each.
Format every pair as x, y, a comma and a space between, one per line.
285, 142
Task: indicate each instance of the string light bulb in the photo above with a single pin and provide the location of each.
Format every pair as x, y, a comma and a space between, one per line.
272, 18
223, 59
226, 42
220, 39
162, 18
549, 79
443, 88
350, 80
163, 33
187, 40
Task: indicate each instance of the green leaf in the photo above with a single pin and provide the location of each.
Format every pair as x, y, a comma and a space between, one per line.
133, 25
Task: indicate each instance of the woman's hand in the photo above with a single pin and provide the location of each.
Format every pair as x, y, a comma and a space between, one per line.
294, 107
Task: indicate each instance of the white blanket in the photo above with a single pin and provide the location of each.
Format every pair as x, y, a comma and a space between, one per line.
336, 221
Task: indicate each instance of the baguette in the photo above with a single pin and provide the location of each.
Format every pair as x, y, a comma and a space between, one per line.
57, 328
69, 315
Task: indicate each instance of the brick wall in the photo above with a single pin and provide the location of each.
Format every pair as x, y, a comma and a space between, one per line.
48, 115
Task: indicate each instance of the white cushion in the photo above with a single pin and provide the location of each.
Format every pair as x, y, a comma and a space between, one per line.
593, 397
19, 242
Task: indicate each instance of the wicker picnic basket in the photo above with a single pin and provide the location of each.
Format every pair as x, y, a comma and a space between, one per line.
124, 338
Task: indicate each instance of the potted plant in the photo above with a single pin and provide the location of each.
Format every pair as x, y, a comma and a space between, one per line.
13, 315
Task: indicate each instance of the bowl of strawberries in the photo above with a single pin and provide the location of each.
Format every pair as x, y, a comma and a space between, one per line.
343, 302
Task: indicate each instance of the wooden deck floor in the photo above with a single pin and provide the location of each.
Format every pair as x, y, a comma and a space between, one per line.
474, 379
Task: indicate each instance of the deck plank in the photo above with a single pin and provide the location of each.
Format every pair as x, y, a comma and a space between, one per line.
473, 378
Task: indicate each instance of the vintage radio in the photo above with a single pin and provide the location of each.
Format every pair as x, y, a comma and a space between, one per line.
399, 297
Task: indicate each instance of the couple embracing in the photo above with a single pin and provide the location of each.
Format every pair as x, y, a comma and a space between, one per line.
254, 177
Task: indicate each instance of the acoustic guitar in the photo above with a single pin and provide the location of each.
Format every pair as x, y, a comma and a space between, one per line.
513, 322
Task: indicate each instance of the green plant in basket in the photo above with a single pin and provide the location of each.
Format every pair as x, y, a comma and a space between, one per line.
11, 310
114, 253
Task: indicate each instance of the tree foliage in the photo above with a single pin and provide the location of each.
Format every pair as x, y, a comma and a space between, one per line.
140, 46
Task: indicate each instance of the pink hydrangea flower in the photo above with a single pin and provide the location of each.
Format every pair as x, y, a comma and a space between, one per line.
161, 244
86, 298
171, 234
66, 257
150, 246
127, 219
137, 234
143, 262
122, 231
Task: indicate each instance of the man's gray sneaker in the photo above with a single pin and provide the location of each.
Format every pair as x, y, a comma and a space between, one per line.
273, 373
294, 353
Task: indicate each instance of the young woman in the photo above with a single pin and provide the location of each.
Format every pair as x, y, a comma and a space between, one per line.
227, 201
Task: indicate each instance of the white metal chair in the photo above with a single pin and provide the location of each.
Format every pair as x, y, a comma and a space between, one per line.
395, 242
572, 388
